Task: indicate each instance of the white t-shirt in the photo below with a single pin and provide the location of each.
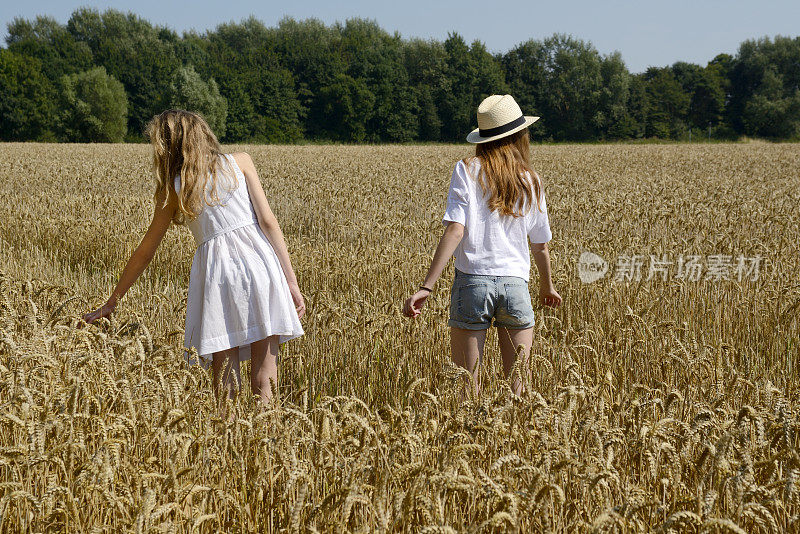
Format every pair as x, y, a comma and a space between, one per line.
493, 244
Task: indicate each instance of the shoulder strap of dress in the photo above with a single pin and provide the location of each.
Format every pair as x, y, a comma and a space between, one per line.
232, 163
238, 174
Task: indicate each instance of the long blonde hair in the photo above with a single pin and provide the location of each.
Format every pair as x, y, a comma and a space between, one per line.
184, 145
505, 167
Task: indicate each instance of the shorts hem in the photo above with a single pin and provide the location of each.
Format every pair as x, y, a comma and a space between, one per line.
515, 327
468, 326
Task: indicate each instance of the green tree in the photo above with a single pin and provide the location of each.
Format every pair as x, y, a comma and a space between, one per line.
706, 90
425, 63
348, 103
354, 81
376, 58
638, 105
455, 101
26, 99
472, 74
49, 41
524, 67
573, 83
263, 103
310, 51
708, 100
135, 52
188, 91
242, 119
668, 104
94, 107
768, 113
764, 83
429, 123
578, 94
192, 49
613, 120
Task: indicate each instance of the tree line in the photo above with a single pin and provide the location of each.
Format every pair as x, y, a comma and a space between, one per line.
101, 76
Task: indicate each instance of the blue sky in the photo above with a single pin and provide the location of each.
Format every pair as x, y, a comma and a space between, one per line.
645, 32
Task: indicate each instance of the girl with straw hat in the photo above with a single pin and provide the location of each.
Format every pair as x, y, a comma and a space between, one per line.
494, 206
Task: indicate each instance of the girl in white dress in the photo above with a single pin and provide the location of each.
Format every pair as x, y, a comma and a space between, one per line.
243, 298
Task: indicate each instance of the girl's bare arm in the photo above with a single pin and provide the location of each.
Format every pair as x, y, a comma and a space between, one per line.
548, 296
141, 257
444, 251
269, 225
452, 236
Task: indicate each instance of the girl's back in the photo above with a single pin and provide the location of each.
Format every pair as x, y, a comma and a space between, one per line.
492, 243
234, 209
237, 290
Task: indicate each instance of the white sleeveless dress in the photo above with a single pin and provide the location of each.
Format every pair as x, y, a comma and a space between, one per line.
238, 292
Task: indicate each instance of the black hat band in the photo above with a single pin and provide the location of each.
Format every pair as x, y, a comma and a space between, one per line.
491, 132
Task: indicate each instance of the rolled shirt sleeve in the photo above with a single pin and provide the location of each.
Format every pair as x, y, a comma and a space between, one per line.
457, 196
539, 231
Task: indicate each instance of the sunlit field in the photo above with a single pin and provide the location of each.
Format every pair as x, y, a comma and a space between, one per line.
658, 399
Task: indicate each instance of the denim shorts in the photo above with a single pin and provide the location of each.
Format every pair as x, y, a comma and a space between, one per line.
476, 299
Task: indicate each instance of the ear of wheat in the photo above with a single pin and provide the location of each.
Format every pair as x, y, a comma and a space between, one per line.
663, 404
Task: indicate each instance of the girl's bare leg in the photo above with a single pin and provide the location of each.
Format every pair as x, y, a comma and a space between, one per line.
466, 350
509, 340
264, 367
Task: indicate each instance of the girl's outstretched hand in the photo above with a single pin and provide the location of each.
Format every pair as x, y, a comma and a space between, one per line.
103, 311
549, 297
297, 298
414, 303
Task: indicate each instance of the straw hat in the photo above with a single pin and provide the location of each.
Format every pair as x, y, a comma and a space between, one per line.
499, 116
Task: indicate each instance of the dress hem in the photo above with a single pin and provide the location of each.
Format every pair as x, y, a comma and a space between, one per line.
243, 338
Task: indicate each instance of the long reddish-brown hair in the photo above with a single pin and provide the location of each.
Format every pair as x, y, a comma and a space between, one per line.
506, 176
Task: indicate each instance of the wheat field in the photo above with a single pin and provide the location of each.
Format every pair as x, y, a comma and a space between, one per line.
653, 404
